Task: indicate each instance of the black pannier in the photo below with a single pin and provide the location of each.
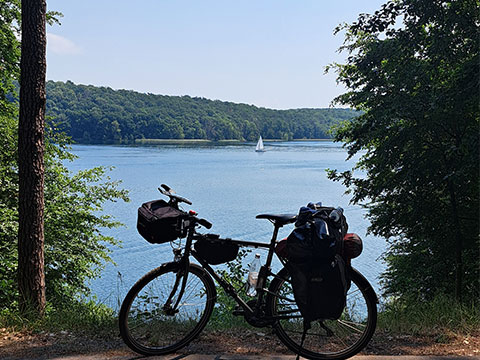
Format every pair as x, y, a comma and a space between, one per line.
320, 289
214, 250
319, 274
158, 222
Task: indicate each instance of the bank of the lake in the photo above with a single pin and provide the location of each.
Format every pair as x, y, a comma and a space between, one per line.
186, 142
204, 142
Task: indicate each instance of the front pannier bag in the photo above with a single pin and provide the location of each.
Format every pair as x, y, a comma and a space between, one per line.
214, 250
158, 222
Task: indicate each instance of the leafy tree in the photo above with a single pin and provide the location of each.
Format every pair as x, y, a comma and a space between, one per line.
417, 83
9, 52
75, 248
9, 71
8, 210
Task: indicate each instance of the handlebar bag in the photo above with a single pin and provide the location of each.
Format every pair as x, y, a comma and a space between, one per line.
214, 250
158, 222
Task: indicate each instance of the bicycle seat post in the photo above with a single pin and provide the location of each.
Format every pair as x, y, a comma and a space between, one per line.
276, 227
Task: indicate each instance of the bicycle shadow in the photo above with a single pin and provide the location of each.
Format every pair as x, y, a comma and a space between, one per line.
214, 357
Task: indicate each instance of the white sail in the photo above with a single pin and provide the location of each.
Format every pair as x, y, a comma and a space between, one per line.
260, 147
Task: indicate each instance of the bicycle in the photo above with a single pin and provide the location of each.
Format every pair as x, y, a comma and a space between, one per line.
170, 305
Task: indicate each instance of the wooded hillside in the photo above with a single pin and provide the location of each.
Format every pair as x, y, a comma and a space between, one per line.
92, 114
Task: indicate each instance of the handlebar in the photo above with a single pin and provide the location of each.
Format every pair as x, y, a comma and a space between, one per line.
168, 191
204, 222
174, 199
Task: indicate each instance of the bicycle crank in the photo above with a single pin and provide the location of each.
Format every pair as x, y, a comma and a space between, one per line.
257, 321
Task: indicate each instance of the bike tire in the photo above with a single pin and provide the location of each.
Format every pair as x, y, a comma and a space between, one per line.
351, 332
145, 324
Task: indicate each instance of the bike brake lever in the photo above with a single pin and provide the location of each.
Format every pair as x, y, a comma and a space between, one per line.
163, 192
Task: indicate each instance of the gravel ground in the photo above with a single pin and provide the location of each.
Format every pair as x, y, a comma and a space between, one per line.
244, 344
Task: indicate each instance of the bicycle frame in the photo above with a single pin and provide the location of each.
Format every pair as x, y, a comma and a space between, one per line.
264, 272
142, 321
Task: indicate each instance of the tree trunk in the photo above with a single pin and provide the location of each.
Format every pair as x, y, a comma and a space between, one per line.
31, 147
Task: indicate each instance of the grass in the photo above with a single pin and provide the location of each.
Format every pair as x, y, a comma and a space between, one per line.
80, 317
222, 320
441, 315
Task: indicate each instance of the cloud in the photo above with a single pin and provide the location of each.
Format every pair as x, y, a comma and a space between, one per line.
62, 46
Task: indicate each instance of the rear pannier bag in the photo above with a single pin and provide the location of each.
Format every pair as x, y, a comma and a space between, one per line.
319, 274
281, 249
158, 222
320, 289
214, 250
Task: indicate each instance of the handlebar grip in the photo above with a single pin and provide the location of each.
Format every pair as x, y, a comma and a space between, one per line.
167, 188
205, 223
184, 200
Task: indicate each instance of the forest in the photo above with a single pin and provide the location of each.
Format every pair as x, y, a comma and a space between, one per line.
90, 114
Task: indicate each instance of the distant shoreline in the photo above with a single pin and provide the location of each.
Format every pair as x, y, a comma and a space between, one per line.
205, 141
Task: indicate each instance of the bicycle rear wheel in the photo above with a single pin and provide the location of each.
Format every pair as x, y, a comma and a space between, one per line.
150, 324
344, 338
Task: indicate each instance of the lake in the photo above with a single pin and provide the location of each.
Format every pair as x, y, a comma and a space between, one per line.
228, 186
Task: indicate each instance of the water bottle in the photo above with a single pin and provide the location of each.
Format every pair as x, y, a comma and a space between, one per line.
336, 214
254, 268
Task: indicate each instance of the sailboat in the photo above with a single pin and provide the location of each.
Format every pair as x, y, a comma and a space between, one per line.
260, 147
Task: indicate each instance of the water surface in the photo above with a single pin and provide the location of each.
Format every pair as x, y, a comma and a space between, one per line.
228, 186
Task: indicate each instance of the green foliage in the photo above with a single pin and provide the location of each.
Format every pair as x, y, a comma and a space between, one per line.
79, 317
418, 85
9, 52
9, 71
440, 315
236, 275
8, 210
75, 248
10, 32
92, 114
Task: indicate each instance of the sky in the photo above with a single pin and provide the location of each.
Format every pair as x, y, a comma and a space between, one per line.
268, 53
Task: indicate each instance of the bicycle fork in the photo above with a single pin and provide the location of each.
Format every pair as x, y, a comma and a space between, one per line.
182, 275
184, 266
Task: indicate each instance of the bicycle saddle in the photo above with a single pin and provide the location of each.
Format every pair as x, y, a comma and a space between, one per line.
280, 219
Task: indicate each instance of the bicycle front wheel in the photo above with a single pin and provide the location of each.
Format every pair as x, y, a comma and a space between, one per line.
327, 339
154, 321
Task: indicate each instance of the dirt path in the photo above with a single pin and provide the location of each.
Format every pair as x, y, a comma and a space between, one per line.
230, 345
